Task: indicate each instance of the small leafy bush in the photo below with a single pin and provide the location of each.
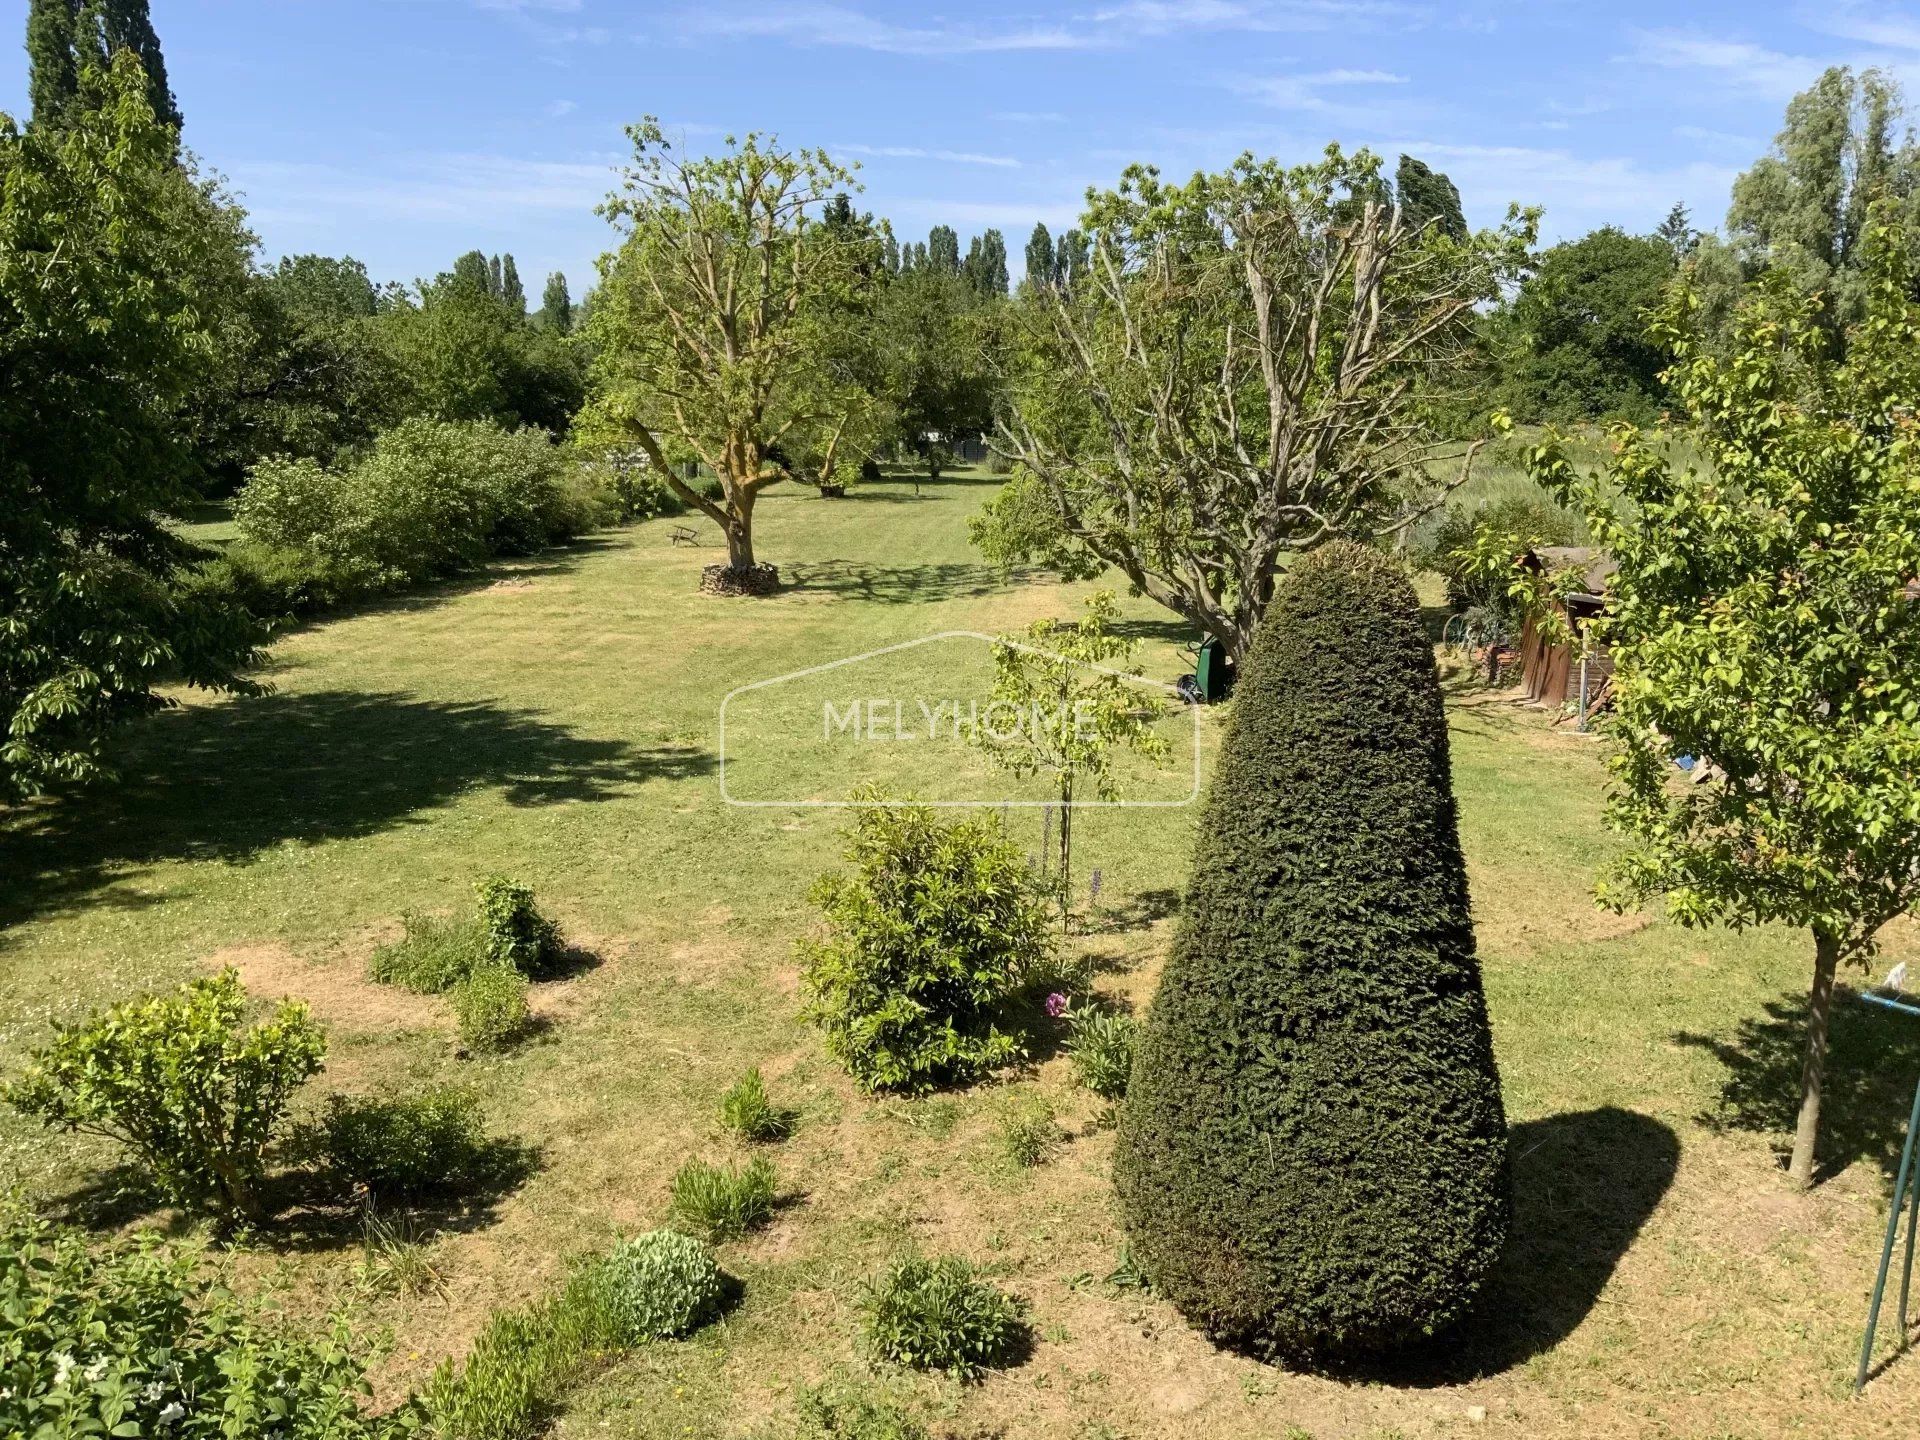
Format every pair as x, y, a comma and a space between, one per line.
1100, 1045
490, 1006
410, 1147
931, 932
515, 931
724, 1203
845, 1413
126, 1339
1029, 1134
937, 1314
660, 1286
432, 956
746, 1110
178, 1080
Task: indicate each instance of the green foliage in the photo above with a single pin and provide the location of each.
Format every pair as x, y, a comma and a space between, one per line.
931, 932
125, 1339
746, 1110
723, 1204
114, 262
1029, 1133
660, 1286
1020, 525
1312, 1156
408, 1148
1100, 1043
1519, 522
66, 39
1429, 198
1574, 343
515, 931
432, 956
556, 305
1764, 618
490, 1007
177, 1080
841, 1412
937, 1314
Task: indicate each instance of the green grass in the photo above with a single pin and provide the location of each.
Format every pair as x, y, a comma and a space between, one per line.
555, 719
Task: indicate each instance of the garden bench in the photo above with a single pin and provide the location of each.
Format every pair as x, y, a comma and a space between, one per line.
683, 535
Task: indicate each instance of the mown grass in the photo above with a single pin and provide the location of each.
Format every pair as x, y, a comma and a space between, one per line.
556, 719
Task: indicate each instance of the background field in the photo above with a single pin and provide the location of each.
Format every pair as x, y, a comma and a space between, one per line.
556, 719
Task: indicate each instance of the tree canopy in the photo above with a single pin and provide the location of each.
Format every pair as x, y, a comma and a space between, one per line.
67, 37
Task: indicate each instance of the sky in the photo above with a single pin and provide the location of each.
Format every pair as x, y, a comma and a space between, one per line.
403, 132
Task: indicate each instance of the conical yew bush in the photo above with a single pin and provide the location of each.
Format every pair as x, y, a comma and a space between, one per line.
1312, 1156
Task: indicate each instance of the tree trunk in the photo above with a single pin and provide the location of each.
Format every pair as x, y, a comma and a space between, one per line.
740, 535
1826, 951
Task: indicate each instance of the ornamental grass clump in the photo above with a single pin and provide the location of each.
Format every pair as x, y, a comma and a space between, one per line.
724, 1203
1312, 1156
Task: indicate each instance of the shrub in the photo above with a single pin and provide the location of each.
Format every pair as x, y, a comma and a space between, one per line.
723, 1204
1100, 1044
1528, 518
291, 504
660, 1286
1029, 1133
276, 582
746, 1110
843, 1413
1323, 988
126, 1340
410, 1147
490, 1005
930, 934
517, 934
177, 1079
938, 1315
432, 956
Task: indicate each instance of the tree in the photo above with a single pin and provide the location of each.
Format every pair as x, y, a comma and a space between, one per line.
1312, 1156
112, 258
713, 319
556, 306
943, 250
1575, 336
986, 267
475, 272
1070, 257
1243, 372
1429, 198
1676, 232
934, 359
65, 37
1039, 257
1803, 206
1765, 618
512, 293
465, 355
1067, 683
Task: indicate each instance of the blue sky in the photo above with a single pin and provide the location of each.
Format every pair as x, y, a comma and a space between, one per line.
406, 131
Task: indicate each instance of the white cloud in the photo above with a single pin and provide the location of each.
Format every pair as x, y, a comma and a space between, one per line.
1737, 64
1869, 24
1303, 92
484, 190
561, 108
915, 152
837, 25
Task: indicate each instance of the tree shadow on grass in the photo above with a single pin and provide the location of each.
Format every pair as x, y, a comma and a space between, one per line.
1873, 1057
228, 781
898, 584
1583, 1186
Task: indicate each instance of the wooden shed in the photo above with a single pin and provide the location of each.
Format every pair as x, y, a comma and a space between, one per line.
1550, 674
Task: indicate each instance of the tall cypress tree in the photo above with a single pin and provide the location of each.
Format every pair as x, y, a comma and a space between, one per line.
556, 305
943, 250
64, 36
511, 290
1040, 256
1312, 1156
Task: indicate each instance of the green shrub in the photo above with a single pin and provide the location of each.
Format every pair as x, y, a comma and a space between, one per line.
1530, 519
1100, 1044
1322, 988
127, 1340
432, 956
938, 1315
660, 1286
844, 1413
176, 1079
1029, 1133
409, 1147
490, 1006
931, 932
517, 934
724, 1203
746, 1110
277, 582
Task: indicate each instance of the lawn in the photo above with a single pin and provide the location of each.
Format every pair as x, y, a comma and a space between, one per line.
557, 719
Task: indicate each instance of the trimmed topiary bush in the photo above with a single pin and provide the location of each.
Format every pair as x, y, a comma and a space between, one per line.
660, 1286
1312, 1156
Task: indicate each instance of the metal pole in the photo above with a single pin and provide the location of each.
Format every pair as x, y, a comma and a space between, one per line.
1583, 685
1886, 1249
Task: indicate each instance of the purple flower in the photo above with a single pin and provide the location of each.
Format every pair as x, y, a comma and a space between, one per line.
1056, 1005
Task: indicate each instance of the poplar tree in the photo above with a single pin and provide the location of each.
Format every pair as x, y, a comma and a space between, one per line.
556, 305
1429, 198
1040, 256
65, 36
943, 249
511, 290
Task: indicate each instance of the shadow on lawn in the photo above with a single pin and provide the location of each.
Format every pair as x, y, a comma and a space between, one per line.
1872, 1059
898, 584
226, 781
1583, 1186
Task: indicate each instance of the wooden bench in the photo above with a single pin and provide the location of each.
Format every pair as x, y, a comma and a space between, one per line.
683, 535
